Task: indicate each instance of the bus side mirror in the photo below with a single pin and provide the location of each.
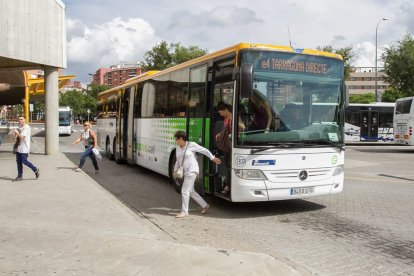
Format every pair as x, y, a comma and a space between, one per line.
246, 80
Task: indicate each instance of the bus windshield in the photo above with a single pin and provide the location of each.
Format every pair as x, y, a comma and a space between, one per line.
296, 100
64, 118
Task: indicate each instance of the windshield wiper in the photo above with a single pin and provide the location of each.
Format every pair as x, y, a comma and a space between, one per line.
309, 143
278, 146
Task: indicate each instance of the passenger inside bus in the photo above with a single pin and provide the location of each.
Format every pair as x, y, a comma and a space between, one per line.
262, 112
225, 111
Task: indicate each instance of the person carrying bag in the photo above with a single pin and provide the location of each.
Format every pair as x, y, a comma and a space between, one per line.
186, 152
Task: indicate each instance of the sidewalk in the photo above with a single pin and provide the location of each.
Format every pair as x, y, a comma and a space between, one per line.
65, 223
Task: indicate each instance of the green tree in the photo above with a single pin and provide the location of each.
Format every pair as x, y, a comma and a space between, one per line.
391, 95
165, 55
362, 98
158, 58
79, 102
347, 54
93, 89
399, 66
182, 54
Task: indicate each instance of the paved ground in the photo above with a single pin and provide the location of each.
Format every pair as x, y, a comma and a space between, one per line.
64, 223
366, 230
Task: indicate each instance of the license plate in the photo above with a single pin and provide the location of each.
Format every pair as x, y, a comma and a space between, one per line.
302, 191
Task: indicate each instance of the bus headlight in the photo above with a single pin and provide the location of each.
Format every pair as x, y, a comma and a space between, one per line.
338, 170
250, 174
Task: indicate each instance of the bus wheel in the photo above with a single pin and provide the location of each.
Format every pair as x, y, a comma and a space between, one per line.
108, 150
117, 156
177, 183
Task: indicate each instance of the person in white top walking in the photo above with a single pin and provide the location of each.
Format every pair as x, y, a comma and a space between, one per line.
88, 138
23, 135
185, 155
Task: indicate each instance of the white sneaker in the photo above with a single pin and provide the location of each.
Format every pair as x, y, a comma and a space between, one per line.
78, 170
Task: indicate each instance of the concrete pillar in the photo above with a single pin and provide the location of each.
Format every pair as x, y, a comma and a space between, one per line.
51, 112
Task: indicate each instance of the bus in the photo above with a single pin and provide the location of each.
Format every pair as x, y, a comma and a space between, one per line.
281, 160
65, 120
369, 122
404, 121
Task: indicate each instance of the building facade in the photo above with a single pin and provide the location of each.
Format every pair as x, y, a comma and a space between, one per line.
362, 81
116, 74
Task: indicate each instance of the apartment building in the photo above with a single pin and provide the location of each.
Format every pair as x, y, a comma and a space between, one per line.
362, 81
116, 74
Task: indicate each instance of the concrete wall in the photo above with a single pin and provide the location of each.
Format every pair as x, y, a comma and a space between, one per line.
33, 31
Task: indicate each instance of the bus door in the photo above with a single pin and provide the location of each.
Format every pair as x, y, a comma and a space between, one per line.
122, 127
369, 125
196, 121
222, 90
129, 133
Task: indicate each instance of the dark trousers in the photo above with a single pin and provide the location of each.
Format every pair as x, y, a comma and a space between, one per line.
21, 158
86, 153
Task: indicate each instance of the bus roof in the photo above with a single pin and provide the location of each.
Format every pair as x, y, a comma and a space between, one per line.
372, 104
64, 108
405, 99
235, 48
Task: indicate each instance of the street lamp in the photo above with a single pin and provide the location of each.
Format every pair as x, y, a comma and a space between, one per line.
376, 50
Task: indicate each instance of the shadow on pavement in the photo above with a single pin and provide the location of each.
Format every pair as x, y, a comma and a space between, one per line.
149, 193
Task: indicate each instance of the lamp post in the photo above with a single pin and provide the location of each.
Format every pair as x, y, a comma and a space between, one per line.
376, 52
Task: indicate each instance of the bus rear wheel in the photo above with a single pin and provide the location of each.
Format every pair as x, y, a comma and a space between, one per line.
108, 150
177, 183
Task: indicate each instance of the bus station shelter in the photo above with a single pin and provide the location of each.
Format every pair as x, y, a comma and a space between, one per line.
33, 38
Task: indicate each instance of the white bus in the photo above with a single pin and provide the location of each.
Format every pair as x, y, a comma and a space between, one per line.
276, 161
404, 121
65, 120
369, 122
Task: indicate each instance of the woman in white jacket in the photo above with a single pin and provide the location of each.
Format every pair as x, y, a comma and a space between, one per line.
185, 154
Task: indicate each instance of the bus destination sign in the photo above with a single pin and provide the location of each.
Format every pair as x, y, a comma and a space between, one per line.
279, 64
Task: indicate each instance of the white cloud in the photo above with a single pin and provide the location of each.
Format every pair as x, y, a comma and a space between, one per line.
365, 55
109, 43
213, 25
222, 16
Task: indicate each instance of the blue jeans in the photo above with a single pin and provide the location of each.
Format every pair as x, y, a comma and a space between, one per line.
21, 158
86, 153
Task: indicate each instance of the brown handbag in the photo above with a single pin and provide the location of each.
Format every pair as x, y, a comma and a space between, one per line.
223, 141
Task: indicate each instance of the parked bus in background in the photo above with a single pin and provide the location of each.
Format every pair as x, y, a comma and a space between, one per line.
280, 148
65, 120
404, 121
369, 122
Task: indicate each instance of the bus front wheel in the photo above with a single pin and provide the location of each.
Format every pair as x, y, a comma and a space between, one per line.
177, 183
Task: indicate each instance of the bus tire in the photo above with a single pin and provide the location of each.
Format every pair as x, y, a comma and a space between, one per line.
108, 149
117, 155
177, 183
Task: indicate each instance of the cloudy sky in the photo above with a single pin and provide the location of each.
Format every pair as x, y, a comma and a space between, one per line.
101, 33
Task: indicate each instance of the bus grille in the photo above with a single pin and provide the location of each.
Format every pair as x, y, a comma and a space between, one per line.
293, 175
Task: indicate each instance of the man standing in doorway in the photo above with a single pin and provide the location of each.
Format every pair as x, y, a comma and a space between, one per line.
23, 136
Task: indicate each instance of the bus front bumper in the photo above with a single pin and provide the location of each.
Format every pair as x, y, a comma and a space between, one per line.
260, 190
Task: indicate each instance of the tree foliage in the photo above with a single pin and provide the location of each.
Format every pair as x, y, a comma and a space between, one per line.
93, 89
391, 95
165, 55
362, 98
399, 66
347, 54
79, 102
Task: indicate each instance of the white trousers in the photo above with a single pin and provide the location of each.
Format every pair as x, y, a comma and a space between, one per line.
188, 190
